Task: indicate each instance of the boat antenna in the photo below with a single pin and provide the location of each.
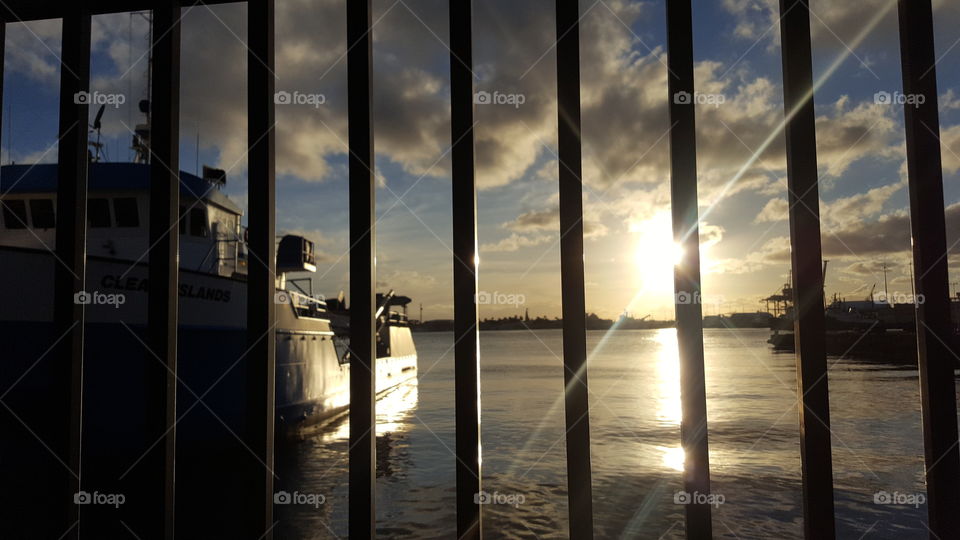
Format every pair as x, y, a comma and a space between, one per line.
95, 126
148, 15
823, 281
913, 287
886, 293
197, 155
129, 67
9, 133
141, 136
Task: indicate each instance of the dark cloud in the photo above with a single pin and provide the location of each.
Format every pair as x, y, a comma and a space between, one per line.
889, 234
549, 220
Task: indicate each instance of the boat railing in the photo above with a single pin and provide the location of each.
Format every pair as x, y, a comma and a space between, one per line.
225, 253
397, 317
303, 305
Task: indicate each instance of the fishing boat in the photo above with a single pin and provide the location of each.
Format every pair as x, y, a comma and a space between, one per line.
870, 328
312, 356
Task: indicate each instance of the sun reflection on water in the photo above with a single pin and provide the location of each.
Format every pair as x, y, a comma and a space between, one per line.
672, 457
393, 411
668, 377
668, 407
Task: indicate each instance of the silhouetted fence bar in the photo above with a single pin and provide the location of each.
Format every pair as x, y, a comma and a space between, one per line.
363, 348
466, 331
71, 239
261, 260
164, 241
686, 233
580, 491
930, 259
804, 200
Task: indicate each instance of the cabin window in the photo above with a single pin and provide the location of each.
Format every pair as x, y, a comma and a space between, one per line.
15, 214
98, 213
41, 210
125, 210
198, 223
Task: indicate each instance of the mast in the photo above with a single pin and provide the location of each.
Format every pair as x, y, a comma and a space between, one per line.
886, 293
141, 136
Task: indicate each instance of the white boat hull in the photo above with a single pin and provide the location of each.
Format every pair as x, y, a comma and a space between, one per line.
312, 384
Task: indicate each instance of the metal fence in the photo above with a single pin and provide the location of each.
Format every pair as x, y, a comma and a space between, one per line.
928, 235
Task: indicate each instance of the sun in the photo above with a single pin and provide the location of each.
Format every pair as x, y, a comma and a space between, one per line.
655, 254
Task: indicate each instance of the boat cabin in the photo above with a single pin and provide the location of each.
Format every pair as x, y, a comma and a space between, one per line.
118, 210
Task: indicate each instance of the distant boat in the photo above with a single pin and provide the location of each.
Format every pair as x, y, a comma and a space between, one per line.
860, 328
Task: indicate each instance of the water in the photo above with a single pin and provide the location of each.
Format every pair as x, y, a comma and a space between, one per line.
635, 413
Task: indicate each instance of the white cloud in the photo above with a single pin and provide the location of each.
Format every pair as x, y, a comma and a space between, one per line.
775, 210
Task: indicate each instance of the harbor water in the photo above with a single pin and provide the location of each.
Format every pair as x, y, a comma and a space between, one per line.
637, 462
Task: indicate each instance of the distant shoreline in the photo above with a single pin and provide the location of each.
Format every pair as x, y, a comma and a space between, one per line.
592, 323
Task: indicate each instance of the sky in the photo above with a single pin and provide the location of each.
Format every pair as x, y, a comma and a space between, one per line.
628, 247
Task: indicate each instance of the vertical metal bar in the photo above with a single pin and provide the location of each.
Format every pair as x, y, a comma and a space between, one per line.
363, 350
928, 230
812, 388
3, 47
466, 331
579, 489
686, 233
164, 262
261, 309
71, 250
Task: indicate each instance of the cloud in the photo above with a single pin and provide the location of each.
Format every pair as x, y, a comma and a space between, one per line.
863, 239
870, 268
775, 210
623, 94
516, 241
834, 26
950, 145
888, 234
864, 243
536, 220
396, 278
854, 132
32, 50
858, 207
710, 235
549, 220
775, 251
